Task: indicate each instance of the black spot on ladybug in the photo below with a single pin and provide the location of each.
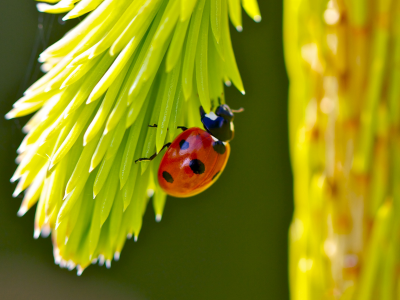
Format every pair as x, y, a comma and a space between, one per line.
183, 145
197, 166
167, 177
216, 174
219, 147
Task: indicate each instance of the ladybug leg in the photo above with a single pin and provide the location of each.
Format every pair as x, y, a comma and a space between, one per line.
153, 156
179, 127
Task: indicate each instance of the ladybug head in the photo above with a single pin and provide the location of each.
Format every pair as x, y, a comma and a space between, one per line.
220, 123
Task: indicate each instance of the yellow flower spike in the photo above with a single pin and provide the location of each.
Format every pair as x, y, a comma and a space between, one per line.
343, 117
379, 235
394, 91
128, 64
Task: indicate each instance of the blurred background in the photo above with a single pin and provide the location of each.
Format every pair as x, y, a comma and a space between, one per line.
229, 242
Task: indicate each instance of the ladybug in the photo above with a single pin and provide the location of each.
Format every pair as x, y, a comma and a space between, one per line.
197, 157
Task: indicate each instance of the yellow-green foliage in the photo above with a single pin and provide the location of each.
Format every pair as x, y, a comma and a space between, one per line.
343, 62
128, 64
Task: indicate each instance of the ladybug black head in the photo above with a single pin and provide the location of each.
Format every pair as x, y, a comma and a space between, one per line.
225, 112
220, 123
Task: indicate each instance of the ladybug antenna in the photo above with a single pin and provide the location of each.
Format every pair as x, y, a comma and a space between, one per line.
238, 110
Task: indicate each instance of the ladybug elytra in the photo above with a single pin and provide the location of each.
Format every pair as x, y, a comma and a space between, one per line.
197, 157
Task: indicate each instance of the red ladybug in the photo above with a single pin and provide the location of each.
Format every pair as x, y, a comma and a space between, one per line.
197, 157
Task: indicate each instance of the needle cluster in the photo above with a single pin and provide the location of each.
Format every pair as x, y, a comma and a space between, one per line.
126, 65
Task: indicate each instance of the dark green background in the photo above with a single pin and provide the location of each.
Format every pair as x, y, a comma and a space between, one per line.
228, 243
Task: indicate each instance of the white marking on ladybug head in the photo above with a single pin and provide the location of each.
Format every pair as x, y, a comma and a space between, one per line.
214, 138
212, 116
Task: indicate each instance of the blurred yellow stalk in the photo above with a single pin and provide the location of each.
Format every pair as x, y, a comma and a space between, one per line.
343, 62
